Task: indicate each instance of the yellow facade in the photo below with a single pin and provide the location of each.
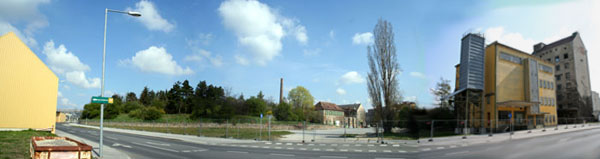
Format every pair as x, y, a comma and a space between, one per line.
507, 89
28, 88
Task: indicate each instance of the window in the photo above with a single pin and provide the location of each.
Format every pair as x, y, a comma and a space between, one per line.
549, 60
565, 48
487, 99
558, 77
557, 59
551, 85
558, 87
566, 56
557, 67
546, 68
509, 57
566, 65
568, 75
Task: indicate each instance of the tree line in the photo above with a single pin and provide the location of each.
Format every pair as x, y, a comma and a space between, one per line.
204, 101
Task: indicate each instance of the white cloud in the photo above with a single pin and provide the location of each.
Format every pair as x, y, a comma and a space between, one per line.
158, 60
199, 54
362, 38
25, 12
312, 52
202, 38
63, 101
61, 61
241, 60
150, 17
512, 39
417, 74
352, 77
259, 29
410, 98
65, 63
340, 91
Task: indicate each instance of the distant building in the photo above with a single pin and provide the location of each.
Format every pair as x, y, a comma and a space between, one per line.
28, 88
370, 117
61, 117
596, 103
330, 113
569, 58
354, 115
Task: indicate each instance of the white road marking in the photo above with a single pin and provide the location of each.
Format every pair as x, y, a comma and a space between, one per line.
254, 146
426, 149
396, 145
237, 151
357, 150
329, 149
290, 148
439, 148
277, 147
289, 144
186, 151
266, 147
455, 153
268, 143
160, 148
372, 150
316, 149
199, 150
387, 151
117, 144
344, 150
334, 144
303, 149
160, 144
383, 145
402, 151
333, 157
299, 144
278, 143
277, 154
243, 145
321, 144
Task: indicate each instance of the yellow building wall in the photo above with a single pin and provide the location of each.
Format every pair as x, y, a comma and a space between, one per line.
510, 77
490, 85
28, 88
548, 93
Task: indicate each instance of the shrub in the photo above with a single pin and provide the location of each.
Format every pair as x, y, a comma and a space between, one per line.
131, 105
149, 113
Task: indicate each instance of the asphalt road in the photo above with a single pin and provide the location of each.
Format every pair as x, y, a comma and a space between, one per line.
138, 146
581, 144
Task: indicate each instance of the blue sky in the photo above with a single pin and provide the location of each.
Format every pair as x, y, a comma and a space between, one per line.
247, 46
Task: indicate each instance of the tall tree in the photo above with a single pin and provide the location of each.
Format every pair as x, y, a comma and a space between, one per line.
383, 69
442, 90
131, 97
300, 98
174, 99
145, 98
187, 92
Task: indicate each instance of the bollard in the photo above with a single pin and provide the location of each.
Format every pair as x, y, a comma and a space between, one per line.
431, 133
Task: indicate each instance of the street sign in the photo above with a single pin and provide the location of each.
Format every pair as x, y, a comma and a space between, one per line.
102, 100
261, 116
509, 115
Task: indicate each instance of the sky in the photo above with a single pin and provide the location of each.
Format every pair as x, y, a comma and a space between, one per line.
246, 46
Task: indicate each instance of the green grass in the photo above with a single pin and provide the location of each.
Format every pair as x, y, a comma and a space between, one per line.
241, 133
15, 144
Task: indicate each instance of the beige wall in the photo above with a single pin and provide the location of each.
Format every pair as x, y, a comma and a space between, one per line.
28, 88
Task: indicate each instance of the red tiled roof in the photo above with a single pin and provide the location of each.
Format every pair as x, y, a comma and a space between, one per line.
327, 106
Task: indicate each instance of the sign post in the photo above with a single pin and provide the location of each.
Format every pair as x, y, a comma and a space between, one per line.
260, 132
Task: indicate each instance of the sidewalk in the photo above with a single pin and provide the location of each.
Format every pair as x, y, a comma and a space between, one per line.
108, 151
188, 138
522, 134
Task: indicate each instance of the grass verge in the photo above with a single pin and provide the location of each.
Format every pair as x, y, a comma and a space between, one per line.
15, 144
241, 133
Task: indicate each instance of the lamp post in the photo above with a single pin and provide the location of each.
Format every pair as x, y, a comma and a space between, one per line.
135, 14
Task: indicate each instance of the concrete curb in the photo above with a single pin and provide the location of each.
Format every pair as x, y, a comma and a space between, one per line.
109, 152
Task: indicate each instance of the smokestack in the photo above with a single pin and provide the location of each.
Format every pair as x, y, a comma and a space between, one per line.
281, 91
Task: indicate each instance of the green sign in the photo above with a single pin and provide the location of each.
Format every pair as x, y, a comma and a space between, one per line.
102, 100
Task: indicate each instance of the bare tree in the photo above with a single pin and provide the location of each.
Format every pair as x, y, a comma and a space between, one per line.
442, 90
383, 69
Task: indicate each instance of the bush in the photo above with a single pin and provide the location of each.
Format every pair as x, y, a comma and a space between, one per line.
131, 105
149, 113
90, 111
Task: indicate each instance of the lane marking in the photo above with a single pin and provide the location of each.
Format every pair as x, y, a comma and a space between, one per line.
426, 149
243, 145
277, 147
357, 150
456, 153
237, 151
346, 145
156, 147
278, 143
387, 151
383, 145
186, 151
290, 148
254, 146
303, 149
439, 148
372, 150
333, 157
329, 149
344, 150
396, 145
316, 149
289, 144
334, 144
266, 147
200, 150
299, 144
278, 154
268, 143
402, 151
117, 145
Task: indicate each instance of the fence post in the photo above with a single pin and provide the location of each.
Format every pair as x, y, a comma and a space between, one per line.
260, 131
226, 128
303, 129
431, 133
270, 127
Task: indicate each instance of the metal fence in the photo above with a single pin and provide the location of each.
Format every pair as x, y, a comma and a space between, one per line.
301, 131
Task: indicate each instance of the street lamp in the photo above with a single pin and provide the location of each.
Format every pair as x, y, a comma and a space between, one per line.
135, 14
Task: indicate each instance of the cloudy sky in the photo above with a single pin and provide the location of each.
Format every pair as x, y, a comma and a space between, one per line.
247, 46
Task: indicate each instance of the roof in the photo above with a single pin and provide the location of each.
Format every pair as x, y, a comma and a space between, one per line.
556, 43
350, 106
327, 106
